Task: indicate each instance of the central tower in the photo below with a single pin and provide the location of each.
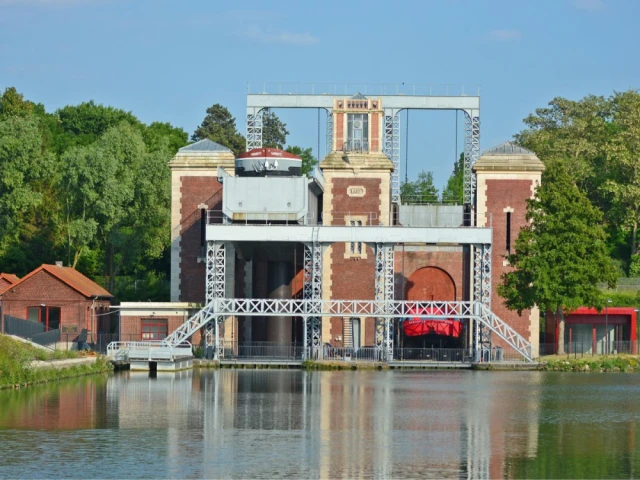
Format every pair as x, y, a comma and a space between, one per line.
357, 193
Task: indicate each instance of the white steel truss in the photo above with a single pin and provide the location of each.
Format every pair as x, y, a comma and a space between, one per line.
471, 153
215, 288
392, 149
254, 128
312, 290
482, 292
398, 309
384, 292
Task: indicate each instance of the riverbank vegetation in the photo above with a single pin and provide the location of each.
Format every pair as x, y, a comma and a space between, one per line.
614, 363
16, 369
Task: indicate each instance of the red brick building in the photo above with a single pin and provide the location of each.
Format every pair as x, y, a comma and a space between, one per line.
58, 297
6, 280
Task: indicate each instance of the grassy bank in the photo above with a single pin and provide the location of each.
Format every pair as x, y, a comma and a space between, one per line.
614, 363
15, 369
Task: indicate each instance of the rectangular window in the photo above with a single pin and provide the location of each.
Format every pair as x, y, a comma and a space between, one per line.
155, 328
49, 316
357, 132
355, 248
509, 232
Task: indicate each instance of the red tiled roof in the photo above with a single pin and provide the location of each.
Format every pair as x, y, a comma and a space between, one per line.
9, 277
71, 277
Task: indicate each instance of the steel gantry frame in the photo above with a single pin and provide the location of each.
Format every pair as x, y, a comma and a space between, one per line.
393, 106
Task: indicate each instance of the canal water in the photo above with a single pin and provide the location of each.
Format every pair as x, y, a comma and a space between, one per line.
276, 423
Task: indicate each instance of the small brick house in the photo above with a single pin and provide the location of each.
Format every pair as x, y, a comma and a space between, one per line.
7, 279
59, 297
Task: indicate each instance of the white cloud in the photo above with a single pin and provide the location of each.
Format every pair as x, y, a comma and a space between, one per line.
254, 32
505, 35
590, 5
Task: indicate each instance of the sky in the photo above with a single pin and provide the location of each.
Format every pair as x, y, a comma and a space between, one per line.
170, 60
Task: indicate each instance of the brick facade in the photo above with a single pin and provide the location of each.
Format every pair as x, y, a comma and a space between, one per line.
195, 191
43, 288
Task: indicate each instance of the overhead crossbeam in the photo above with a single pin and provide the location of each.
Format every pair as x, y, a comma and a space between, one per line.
335, 234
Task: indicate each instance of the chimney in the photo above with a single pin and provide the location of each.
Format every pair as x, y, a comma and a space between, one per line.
58, 263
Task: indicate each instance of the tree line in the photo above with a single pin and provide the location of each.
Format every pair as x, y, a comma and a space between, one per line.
89, 185
583, 229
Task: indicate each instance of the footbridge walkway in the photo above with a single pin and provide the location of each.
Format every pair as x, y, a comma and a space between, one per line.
312, 311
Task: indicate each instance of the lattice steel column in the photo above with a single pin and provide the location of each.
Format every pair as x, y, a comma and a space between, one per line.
392, 149
254, 128
384, 293
482, 294
312, 290
471, 152
329, 133
214, 289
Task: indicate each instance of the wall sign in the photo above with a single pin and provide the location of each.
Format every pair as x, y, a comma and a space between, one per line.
355, 191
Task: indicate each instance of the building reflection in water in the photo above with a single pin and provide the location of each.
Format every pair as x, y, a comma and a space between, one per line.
254, 423
344, 424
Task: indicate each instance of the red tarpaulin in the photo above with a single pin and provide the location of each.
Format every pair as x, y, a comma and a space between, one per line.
414, 327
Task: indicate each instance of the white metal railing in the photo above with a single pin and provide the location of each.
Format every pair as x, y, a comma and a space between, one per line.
369, 89
149, 350
355, 145
409, 219
477, 311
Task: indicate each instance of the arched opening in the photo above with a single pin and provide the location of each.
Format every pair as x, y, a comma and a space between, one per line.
431, 284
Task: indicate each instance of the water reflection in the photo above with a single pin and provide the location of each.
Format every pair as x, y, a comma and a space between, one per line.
266, 423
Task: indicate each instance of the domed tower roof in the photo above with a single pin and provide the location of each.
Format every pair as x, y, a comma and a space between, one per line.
205, 154
508, 156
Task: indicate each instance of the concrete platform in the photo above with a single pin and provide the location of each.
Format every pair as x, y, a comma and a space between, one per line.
160, 365
429, 364
249, 362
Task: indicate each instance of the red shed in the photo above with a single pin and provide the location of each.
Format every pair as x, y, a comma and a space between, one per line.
59, 297
586, 330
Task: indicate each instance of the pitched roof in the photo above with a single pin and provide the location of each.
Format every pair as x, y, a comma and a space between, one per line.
507, 148
9, 277
204, 145
72, 278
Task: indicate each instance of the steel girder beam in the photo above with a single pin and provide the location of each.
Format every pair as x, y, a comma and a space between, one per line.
254, 128
471, 153
391, 147
312, 290
397, 309
384, 293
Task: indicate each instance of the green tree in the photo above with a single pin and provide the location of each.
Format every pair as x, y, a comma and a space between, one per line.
157, 133
453, 191
220, 126
13, 103
83, 124
420, 191
117, 200
25, 170
560, 256
622, 150
274, 132
308, 160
